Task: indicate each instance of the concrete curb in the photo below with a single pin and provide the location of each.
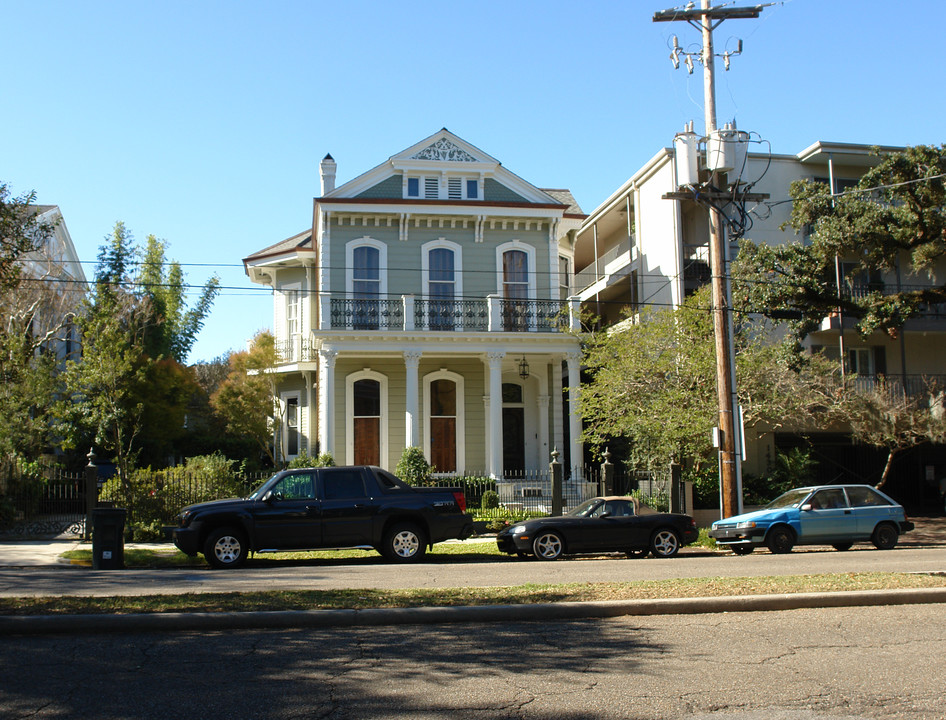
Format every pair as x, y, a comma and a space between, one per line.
165, 622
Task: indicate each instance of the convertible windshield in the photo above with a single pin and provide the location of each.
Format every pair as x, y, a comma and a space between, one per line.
792, 498
585, 509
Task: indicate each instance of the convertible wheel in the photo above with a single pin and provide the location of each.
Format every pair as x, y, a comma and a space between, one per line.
635, 554
885, 536
742, 549
225, 548
781, 540
841, 547
664, 543
404, 542
548, 545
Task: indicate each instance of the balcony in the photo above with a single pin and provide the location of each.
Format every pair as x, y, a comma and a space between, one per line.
898, 387
295, 349
490, 314
605, 264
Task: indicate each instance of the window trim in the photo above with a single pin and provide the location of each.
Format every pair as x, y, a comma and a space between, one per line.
382, 249
460, 440
350, 381
301, 440
529, 250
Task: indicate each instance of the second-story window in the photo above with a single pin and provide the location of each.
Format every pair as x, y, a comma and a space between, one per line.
293, 326
515, 290
366, 282
441, 288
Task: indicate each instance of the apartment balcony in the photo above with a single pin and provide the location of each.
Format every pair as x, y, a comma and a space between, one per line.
610, 262
898, 387
410, 314
931, 316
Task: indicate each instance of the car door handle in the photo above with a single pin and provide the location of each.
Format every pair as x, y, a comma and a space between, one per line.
847, 512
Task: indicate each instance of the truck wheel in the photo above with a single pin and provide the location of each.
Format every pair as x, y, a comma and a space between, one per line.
225, 548
404, 542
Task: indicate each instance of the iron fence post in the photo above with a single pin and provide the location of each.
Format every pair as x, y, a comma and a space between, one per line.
91, 492
676, 488
555, 470
607, 473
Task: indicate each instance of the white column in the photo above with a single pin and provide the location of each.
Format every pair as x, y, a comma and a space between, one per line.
544, 449
574, 419
310, 427
411, 402
327, 401
495, 425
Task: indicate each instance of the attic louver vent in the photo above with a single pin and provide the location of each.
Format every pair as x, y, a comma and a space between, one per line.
431, 188
455, 188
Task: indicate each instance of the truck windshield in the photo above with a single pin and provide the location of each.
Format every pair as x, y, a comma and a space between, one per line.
792, 498
259, 491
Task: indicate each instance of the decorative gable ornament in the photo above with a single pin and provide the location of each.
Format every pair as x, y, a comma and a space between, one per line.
443, 149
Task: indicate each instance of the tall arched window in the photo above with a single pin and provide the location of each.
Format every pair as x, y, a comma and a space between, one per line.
444, 439
366, 281
516, 288
366, 421
443, 285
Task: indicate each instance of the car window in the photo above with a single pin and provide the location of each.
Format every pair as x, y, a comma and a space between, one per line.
342, 483
619, 508
295, 487
828, 499
589, 508
865, 497
792, 498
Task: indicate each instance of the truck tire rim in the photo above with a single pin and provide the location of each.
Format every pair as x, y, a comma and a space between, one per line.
227, 549
405, 544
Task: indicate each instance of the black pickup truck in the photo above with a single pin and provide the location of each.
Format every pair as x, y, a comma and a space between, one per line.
333, 507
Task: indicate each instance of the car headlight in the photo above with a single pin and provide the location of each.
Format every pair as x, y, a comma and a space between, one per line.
185, 517
746, 524
518, 529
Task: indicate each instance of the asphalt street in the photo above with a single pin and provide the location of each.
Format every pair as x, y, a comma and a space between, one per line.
818, 664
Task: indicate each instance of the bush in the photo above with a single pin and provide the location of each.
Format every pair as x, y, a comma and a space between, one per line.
413, 467
489, 500
155, 497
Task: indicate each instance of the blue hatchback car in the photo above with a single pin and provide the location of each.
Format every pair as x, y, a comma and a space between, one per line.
837, 515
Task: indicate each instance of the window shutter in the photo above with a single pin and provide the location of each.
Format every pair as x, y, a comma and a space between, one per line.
431, 188
455, 188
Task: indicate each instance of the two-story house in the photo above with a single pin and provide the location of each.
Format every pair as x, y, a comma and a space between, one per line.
642, 247
427, 305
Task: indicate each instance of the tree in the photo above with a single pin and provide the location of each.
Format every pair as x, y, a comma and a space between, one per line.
21, 233
885, 416
247, 400
894, 221
173, 328
34, 312
654, 382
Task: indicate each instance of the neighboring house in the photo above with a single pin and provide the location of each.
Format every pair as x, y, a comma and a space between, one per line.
638, 248
53, 289
427, 306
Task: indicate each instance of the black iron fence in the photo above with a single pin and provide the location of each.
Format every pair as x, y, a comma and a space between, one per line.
41, 504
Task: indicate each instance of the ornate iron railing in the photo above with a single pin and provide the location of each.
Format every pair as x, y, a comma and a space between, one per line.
533, 315
371, 314
468, 315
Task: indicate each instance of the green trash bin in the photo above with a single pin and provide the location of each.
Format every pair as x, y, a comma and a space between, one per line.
108, 538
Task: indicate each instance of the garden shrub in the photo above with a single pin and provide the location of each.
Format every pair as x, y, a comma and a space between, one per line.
413, 467
489, 500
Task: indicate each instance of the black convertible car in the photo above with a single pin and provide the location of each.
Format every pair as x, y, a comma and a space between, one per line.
601, 524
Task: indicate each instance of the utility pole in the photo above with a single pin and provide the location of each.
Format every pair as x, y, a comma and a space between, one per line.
707, 18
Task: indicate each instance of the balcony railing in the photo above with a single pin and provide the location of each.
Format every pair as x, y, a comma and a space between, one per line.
860, 291
295, 349
899, 386
490, 314
590, 275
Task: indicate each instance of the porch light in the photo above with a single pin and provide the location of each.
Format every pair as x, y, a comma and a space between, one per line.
523, 368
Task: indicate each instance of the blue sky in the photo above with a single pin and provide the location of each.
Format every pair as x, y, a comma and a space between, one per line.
204, 122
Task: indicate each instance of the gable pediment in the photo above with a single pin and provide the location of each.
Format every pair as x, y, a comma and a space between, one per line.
445, 151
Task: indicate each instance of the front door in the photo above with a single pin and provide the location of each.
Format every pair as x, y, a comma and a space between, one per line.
514, 442
291, 518
347, 511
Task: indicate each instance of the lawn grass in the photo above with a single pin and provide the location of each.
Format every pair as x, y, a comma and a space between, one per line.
445, 597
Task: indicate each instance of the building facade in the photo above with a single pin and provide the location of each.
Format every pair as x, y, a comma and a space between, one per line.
428, 305
640, 247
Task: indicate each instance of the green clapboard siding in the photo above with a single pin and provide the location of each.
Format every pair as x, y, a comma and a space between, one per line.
497, 192
387, 189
